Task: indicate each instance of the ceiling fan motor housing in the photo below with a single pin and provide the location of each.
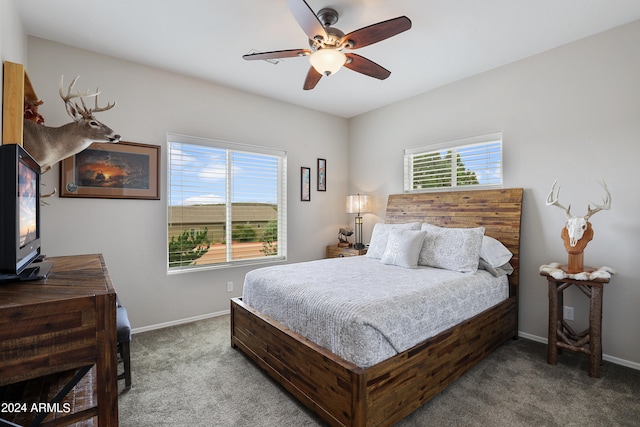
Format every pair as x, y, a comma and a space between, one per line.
328, 16
334, 37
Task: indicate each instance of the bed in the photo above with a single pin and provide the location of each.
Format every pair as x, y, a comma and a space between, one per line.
383, 392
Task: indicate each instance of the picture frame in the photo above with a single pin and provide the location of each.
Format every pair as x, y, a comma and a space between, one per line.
125, 170
305, 184
322, 174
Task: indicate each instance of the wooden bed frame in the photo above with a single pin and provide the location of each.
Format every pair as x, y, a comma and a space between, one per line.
343, 394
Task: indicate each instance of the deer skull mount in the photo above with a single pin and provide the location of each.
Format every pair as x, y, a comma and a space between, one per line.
577, 232
48, 145
576, 225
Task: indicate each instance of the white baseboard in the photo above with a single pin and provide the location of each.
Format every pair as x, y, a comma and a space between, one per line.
536, 338
616, 360
179, 322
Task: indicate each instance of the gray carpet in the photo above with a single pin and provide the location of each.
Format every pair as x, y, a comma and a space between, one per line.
189, 375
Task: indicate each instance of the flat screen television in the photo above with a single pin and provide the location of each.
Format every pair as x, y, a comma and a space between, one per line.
19, 216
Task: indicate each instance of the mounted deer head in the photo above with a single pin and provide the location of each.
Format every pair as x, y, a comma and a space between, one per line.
577, 232
48, 145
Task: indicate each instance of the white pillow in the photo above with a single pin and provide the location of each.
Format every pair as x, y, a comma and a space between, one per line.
380, 234
494, 253
403, 248
456, 249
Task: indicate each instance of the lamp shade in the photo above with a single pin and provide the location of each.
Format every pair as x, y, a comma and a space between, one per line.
327, 61
359, 203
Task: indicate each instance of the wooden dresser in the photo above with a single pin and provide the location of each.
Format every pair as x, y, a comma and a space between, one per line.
64, 324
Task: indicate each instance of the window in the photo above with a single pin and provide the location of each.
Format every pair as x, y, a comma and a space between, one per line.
470, 163
226, 204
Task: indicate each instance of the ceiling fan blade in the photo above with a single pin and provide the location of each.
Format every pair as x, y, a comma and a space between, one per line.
377, 32
307, 19
366, 66
313, 77
276, 54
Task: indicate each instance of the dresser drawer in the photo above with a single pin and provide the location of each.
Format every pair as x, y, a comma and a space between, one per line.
334, 251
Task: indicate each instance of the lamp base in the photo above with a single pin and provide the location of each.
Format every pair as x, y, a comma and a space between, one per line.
358, 246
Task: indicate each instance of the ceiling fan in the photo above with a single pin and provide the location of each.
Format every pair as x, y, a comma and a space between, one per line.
328, 44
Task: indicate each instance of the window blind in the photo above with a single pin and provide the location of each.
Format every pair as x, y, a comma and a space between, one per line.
226, 204
474, 162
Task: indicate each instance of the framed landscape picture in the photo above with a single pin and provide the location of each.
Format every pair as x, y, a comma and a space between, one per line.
125, 170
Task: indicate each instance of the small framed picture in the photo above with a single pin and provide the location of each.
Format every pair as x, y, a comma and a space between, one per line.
322, 174
305, 184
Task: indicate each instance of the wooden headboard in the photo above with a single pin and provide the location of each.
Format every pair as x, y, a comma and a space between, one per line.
498, 211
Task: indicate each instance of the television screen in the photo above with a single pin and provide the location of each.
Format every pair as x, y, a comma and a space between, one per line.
27, 202
19, 215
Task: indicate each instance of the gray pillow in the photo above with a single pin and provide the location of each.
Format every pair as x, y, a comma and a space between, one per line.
496, 271
456, 249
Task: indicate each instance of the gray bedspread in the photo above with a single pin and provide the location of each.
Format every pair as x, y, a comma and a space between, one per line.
365, 311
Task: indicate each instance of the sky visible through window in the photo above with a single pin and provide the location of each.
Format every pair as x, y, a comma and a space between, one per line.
198, 175
484, 160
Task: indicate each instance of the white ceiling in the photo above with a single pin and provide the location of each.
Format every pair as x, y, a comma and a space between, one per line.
449, 40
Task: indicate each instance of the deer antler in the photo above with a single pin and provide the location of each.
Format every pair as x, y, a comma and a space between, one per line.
74, 110
66, 98
96, 109
552, 199
606, 202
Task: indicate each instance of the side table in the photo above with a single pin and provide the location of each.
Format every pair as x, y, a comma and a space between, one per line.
561, 334
335, 251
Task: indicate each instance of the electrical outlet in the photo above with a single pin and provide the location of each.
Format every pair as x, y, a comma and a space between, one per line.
567, 313
229, 286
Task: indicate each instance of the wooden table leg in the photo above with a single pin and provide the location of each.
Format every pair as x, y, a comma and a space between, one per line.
552, 350
561, 335
595, 331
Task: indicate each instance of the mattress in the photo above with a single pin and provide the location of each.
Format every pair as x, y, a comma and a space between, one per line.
365, 311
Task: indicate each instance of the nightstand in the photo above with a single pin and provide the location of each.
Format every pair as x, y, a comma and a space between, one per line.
334, 251
561, 335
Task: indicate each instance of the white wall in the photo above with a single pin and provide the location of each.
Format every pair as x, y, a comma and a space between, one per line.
572, 113
132, 233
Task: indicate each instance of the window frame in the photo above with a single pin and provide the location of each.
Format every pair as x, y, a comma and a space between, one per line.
281, 202
454, 145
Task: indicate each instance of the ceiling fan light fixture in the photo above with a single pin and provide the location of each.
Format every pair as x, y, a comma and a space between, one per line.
327, 61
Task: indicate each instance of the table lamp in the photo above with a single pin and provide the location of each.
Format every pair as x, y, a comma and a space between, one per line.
357, 204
